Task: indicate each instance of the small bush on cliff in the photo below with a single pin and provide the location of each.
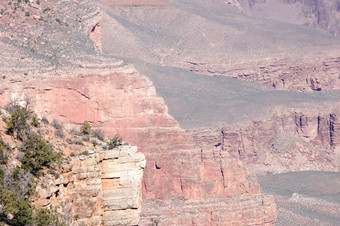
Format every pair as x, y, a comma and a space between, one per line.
86, 138
39, 155
76, 132
17, 124
85, 128
45, 121
154, 221
94, 143
59, 132
56, 124
115, 142
16, 211
77, 142
4, 148
35, 121
46, 216
98, 133
15, 188
18, 184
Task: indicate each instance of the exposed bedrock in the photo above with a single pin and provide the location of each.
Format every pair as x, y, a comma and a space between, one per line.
122, 101
101, 187
290, 141
300, 75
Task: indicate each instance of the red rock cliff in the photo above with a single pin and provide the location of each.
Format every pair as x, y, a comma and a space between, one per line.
211, 184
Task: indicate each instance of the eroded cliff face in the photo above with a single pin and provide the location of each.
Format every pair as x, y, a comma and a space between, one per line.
99, 187
122, 101
290, 141
301, 75
225, 194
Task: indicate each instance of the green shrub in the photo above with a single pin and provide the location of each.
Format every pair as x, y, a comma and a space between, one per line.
17, 125
15, 189
47, 217
4, 148
115, 142
85, 128
35, 121
21, 209
39, 155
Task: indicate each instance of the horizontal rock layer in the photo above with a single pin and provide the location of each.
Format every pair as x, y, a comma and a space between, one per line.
124, 102
299, 75
98, 188
290, 141
216, 211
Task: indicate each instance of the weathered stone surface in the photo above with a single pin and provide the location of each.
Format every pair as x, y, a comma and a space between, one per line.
212, 211
125, 102
302, 75
94, 198
290, 141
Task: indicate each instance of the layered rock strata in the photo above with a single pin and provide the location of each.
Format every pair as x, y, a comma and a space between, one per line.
225, 194
98, 188
301, 75
290, 141
122, 101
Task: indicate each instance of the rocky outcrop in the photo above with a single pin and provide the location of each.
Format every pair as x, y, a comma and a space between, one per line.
212, 211
300, 75
290, 141
225, 194
122, 101
97, 187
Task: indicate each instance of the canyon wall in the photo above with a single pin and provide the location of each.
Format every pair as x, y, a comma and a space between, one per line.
97, 187
286, 74
226, 194
122, 101
290, 141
